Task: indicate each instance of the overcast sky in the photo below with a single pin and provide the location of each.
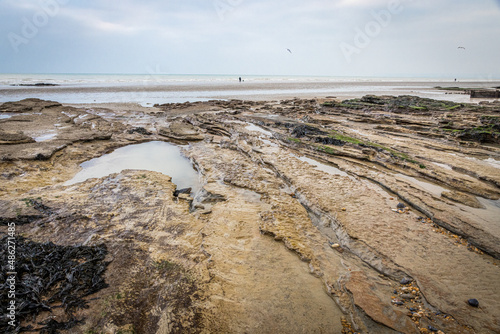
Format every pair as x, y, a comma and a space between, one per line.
418, 38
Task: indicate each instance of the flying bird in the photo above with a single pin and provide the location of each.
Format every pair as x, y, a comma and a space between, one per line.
289, 50
461, 47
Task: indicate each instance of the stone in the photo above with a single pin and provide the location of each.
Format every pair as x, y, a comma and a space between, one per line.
406, 280
473, 302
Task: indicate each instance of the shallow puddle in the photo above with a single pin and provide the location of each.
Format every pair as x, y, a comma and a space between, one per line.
269, 143
45, 137
359, 132
5, 116
486, 162
323, 167
490, 204
493, 162
153, 156
445, 166
486, 217
429, 187
255, 128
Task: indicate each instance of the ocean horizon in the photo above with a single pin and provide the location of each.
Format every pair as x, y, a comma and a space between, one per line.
7, 79
150, 89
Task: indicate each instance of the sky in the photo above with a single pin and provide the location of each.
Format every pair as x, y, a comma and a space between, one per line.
373, 38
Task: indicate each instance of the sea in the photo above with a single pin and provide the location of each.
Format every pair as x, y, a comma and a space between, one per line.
150, 89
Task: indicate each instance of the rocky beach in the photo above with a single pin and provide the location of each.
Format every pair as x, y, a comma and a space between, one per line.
375, 214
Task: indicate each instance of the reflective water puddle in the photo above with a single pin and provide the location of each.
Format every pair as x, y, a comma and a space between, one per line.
445, 166
487, 162
153, 156
493, 162
45, 137
255, 128
430, 187
323, 167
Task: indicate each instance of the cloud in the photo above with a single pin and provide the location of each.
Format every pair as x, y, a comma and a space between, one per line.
243, 36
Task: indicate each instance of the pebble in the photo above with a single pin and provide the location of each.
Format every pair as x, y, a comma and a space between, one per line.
407, 296
397, 302
401, 206
432, 329
406, 280
473, 302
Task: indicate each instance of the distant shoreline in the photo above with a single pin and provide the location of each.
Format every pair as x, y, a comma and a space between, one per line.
175, 89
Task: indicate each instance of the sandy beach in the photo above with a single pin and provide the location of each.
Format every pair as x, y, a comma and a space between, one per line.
372, 215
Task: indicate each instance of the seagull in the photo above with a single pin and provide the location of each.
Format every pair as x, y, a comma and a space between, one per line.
289, 50
461, 47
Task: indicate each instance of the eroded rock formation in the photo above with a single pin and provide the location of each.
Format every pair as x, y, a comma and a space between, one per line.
377, 215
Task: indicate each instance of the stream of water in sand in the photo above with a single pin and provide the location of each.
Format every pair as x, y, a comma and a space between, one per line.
153, 156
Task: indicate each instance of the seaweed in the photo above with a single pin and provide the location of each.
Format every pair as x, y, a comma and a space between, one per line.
295, 140
140, 130
305, 130
329, 141
37, 205
49, 276
19, 220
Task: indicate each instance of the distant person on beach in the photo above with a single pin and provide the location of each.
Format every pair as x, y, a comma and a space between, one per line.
240, 79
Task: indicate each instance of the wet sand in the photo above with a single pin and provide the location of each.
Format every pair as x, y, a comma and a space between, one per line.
151, 93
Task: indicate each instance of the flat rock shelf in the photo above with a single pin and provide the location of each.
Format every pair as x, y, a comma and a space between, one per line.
370, 215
